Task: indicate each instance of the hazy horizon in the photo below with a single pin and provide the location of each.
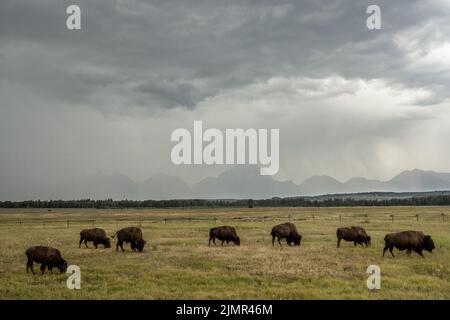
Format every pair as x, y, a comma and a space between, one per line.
239, 182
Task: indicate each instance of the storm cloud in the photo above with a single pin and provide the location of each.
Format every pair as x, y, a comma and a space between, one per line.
348, 101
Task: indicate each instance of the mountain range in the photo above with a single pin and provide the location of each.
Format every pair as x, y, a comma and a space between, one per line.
240, 182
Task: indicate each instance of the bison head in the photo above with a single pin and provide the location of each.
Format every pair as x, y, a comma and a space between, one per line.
140, 244
237, 241
296, 239
107, 243
62, 266
428, 243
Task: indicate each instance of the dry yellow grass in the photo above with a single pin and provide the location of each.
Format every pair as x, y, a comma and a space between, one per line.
178, 264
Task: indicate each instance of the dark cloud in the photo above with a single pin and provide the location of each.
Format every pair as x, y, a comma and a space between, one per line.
221, 45
240, 62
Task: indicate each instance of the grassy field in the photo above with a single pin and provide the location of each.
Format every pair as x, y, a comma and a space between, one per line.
178, 264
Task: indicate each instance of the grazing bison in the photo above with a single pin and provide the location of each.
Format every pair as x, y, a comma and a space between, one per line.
409, 241
357, 235
286, 231
224, 233
47, 256
133, 235
97, 235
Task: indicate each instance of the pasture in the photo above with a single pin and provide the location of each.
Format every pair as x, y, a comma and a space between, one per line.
178, 264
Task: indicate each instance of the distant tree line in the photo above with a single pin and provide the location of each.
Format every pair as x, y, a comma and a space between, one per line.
431, 200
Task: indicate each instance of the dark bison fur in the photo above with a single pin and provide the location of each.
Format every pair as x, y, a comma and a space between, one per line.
224, 233
132, 235
47, 257
286, 231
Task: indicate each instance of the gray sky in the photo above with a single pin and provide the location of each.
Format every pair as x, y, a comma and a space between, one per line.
348, 101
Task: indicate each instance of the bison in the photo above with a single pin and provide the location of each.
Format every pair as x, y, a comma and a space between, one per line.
224, 233
133, 235
47, 256
286, 231
97, 235
409, 241
355, 234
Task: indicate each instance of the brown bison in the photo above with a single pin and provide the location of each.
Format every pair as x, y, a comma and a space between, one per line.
409, 241
357, 235
286, 231
96, 235
224, 233
133, 235
47, 256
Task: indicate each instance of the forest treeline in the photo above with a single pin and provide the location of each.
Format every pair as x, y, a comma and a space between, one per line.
430, 200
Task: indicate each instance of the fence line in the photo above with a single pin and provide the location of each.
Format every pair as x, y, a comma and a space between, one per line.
214, 219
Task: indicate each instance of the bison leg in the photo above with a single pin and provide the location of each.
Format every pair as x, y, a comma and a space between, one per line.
81, 241
419, 252
338, 242
279, 240
354, 243
391, 248
384, 250
30, 265
222, 242
273, 240
42, 268
85, 243
408, 252
95, 244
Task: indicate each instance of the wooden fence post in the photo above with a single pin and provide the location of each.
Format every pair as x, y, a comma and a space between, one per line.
392, 217
417, 217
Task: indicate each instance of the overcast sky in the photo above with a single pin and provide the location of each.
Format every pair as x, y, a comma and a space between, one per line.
348, 101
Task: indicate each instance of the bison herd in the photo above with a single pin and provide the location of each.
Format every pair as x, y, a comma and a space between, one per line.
49, 257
